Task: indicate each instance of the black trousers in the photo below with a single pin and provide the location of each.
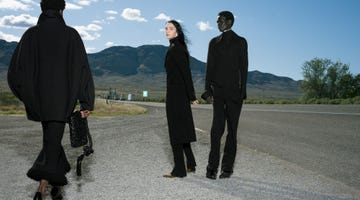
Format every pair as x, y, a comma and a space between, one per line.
179, 163
51, 164
224, 111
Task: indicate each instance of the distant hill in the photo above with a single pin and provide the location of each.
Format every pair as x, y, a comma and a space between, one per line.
137, 68
125, 60
6, 50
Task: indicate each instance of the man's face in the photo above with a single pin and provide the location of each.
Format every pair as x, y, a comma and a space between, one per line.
223, 24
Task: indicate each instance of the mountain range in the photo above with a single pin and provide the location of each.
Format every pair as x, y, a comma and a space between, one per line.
142, 68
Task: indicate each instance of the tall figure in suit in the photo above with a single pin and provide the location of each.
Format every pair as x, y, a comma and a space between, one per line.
49, 73
179, 94
225, 87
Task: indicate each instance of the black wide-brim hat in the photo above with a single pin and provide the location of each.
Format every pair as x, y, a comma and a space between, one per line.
52, 5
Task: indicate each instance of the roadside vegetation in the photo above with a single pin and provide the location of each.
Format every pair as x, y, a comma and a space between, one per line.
108, 109
10, 105
328, 82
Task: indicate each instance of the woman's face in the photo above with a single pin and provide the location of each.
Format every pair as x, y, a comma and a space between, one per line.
170, 31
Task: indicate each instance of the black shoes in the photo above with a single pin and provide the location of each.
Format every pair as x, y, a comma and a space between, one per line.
56, 193
191, 170
210, 173
172, 176
225, 174
38, 196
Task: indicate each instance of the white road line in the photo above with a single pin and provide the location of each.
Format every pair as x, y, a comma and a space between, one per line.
200, 130
301, 111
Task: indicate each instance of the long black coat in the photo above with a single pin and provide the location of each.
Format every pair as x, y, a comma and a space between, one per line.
227, 67
179, 93
49, 70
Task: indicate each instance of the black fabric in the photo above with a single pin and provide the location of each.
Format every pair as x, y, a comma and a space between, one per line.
190, 159
51, 164
224, 111
179, 163
179, 93
49, 70
226, 76
227, 66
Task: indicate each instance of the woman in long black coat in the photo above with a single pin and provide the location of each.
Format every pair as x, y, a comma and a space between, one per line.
179, 94
49, 73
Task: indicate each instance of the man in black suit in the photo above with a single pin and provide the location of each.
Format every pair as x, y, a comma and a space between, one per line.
225, 87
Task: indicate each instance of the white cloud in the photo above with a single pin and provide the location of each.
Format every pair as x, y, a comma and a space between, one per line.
85, 2
15, 5
8, 37
111, 18
132, 15
111, 12
93, 27
204, 26
109, 44
71, 6
22, 21
162, 16
86, 31
101, 21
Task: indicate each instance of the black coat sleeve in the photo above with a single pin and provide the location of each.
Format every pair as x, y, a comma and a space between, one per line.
87, 90
244, 69
81, 74
209, 70
21, 77
182, 60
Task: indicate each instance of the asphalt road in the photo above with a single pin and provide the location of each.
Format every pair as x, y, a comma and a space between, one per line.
285, 152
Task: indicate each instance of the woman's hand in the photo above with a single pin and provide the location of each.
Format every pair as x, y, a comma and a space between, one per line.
195, 102
85, 113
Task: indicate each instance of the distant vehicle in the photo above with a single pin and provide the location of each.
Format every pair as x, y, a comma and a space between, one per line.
131, 97
123, 97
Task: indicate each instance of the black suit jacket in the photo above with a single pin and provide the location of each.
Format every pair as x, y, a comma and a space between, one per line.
227, 66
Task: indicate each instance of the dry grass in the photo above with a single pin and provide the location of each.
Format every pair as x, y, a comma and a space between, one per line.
12, 110
103, 109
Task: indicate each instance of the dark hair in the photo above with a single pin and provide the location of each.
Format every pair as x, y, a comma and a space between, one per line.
228, 16
52, 5
180, 32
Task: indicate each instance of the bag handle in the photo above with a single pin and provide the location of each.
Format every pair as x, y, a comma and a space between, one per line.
87, 150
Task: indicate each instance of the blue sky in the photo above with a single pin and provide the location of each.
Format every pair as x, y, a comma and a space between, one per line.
281, 34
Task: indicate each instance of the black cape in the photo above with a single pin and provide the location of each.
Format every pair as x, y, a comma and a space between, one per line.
49, 70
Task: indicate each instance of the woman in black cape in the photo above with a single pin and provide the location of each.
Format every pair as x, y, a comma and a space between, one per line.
49, 73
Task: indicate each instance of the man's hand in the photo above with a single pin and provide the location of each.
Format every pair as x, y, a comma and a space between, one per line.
85, 113
195, 102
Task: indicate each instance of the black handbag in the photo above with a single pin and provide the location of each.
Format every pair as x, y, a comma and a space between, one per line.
79, 130
80, 136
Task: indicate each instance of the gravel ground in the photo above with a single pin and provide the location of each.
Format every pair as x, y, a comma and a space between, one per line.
133, 152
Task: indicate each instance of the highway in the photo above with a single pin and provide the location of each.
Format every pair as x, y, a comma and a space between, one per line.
284, 152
